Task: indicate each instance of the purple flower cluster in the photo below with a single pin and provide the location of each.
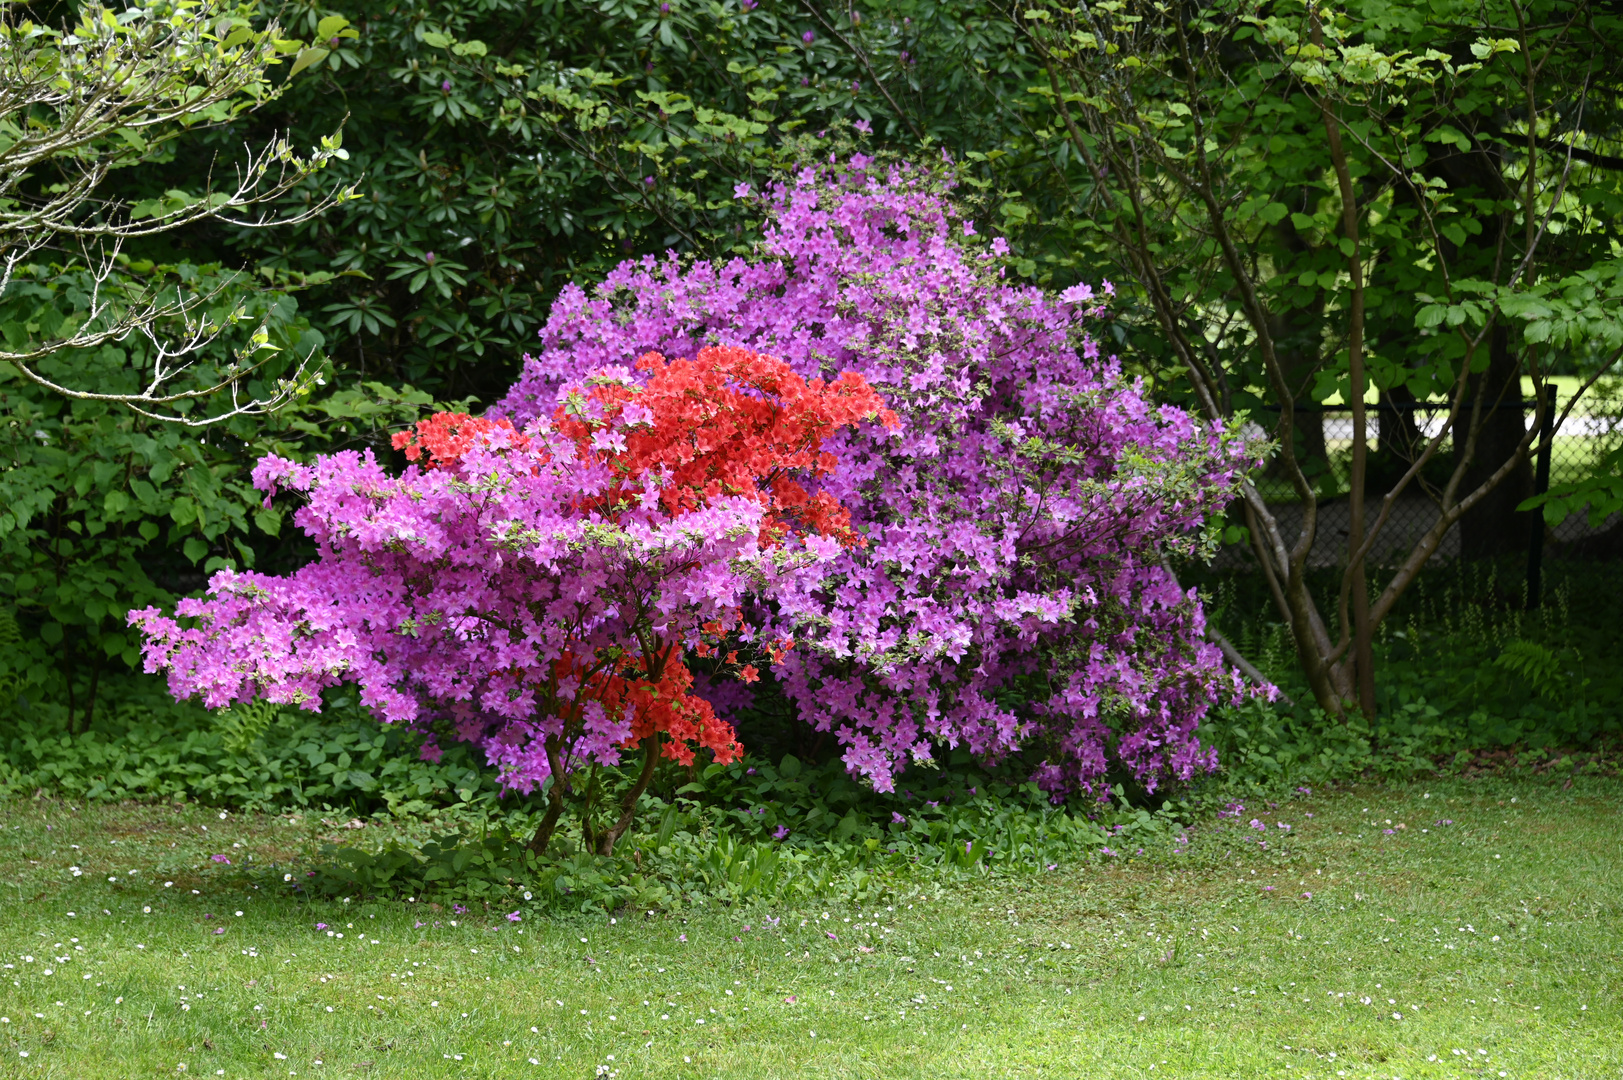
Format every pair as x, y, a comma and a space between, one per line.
1015, 522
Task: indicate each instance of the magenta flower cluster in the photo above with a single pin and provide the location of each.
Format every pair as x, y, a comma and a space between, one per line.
1016, 521
483, 597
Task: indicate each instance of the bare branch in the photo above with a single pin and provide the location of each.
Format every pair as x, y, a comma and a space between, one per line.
105, 92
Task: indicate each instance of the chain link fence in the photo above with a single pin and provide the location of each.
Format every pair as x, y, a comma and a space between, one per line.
1397, 434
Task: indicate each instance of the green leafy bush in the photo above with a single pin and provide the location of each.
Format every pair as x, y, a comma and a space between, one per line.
103, 509
147, 747
1465, 666
1267, 750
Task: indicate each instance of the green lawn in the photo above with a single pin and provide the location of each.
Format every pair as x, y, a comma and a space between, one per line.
1489, 946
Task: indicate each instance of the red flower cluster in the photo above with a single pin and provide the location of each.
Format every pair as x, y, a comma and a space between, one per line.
446, 436
731, 421
668, 705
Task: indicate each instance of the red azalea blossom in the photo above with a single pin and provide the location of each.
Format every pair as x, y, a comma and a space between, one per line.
446, 436
731, 422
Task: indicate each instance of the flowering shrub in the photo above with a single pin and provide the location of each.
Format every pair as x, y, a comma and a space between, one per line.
1011, 592
534, 590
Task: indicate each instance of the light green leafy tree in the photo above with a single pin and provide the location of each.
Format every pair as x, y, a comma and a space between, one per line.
107, 93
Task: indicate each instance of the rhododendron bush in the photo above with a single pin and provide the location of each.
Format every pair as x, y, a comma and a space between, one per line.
535, 587
1011, 594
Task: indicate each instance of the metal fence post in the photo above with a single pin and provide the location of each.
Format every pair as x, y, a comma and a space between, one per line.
1541, 484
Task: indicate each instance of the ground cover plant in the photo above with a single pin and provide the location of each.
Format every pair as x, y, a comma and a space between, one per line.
151, 747
1454, 928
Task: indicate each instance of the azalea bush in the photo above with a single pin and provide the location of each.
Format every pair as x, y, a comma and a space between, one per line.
1011, 593
534, 589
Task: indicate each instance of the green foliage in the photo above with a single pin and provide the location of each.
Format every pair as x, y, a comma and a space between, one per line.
1533, 664
1505, 676
1312, 204
244, 724
101, 96
715, 844
147, 747
103, 509
478, 867
503, 148
1268, 751
1599, 489
1599, 495
11, 641
500, 148
1426, 100
1466, 669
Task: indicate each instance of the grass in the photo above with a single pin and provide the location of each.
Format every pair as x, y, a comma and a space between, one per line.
1496, 938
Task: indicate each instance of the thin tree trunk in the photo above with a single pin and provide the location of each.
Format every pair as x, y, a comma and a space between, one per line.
90, 696
1363, 655
67, 677
607, 838
555, 803
1493, 527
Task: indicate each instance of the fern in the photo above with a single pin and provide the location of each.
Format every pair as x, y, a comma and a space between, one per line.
242, 724
1531, 662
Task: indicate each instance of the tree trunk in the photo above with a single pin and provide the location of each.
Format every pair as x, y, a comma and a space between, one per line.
555, 803
1361, 656
607, 838
549, 823
1492, 527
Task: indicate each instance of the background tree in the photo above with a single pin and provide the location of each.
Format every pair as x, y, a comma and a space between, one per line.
1442, 230
501, 149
